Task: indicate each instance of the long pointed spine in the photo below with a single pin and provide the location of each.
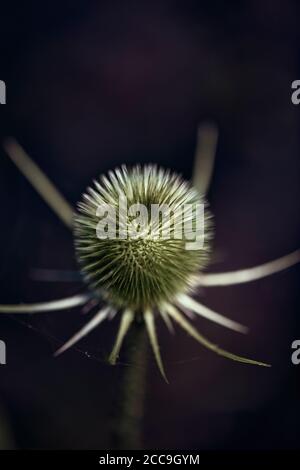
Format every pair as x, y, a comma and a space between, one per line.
186, 325
40, 182
150, 325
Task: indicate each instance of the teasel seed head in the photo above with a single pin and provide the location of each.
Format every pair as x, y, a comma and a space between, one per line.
147, 270
146, 275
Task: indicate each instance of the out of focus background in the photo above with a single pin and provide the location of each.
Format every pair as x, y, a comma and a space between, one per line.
92, 85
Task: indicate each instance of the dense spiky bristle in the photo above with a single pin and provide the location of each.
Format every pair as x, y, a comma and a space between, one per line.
139, 272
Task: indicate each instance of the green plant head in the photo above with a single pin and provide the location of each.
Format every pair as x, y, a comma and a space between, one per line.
134, 236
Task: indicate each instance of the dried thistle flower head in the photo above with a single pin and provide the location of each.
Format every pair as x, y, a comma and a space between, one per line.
146, 261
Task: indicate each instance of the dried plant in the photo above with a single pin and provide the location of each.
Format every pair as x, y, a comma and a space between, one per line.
142, 277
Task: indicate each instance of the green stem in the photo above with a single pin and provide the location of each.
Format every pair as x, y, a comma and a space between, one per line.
130, 398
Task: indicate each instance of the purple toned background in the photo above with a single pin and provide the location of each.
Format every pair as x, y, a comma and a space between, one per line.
91, 85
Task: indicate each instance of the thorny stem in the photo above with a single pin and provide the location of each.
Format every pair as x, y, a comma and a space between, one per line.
128, 412
129, 408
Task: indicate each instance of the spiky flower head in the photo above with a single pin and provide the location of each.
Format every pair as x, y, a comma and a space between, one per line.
149, 259
140, 268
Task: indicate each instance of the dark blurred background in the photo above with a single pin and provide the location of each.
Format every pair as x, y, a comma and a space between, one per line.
94, 84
